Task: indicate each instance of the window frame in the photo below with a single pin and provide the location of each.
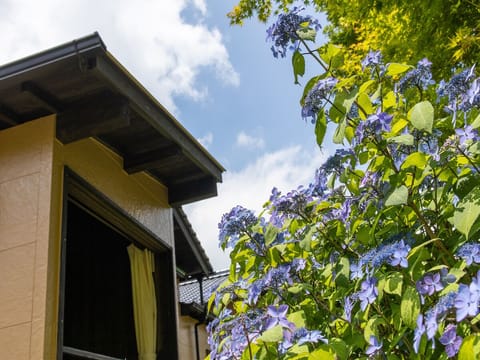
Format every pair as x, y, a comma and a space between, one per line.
88, 198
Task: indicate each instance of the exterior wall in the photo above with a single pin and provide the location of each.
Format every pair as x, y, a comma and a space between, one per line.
186, 339
26, 153
31, 190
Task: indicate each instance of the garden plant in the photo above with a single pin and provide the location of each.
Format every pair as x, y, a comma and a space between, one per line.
379, 257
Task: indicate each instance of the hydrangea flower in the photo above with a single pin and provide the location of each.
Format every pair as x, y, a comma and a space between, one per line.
237, 221
283, 33
368, 292
317, 97
302, 336
451, 340
429, 284
420, 77
470, 252
373, 59
277, 315
466, 303
373, 125
374, 345
418, 333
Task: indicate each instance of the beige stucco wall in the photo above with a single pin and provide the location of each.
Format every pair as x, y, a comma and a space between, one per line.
26, 153
31, 188
186, 340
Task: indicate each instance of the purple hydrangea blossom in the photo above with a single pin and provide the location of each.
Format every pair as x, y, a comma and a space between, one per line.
348, 307
466, 302
457, 89
418, 333
284, 32
429, 284
374, 345
420, 77
468, 133
470, 252
373, 59
368, 292
373, 125
451, 340
303, 336
293, 204
233, 224
394, 254
277, 315
317, 97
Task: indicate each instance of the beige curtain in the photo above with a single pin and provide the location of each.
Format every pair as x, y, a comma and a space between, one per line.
144, 301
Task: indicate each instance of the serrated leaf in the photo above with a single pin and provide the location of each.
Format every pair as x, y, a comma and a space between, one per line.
399, 196
365, 106
396, 69
476, 122
416, 159
405, 139
371, 328
470, 348
339, 134
394, 283
298, 318
298, 64
422, 115
467, 212
320, 127
323, 353
272, 335
410, 307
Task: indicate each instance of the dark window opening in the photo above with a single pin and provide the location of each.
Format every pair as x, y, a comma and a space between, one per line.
98, 308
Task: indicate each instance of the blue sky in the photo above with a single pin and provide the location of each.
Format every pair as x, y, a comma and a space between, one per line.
221, 82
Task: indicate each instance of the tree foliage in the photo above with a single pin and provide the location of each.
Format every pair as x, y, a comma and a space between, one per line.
444, 31
379, 257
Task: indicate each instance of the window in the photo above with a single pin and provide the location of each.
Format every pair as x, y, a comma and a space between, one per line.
96, 307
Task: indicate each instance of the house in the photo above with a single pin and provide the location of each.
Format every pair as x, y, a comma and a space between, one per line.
193, 297
92, 169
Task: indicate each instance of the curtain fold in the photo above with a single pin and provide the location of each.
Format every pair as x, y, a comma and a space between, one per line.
144, 301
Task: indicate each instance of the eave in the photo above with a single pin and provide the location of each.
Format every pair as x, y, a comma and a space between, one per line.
93, 95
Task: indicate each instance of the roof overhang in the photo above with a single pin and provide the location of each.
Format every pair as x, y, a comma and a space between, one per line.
93, 95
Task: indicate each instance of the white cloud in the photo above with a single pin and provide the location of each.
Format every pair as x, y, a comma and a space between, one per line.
149, 37
248, 141
285, 169
206, 140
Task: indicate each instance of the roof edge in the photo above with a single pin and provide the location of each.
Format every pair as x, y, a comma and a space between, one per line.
72, 48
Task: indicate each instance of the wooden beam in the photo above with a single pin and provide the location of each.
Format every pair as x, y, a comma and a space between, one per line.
47, 100
146, 106
188, 192
151, 159
94, 117
9, 116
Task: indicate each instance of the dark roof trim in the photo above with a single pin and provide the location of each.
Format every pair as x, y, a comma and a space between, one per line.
73, 48
193, 243
142, 101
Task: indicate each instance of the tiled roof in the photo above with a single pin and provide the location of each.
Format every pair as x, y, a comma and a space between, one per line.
190, 290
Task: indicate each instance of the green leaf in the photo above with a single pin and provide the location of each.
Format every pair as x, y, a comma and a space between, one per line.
371, 328
272, 335
470, 348
476, 122
298, 63
410, 307
340, 348
467, 212
421, 116
395, 69
320, 127
365, 105
298, 318
405, 139
399, 196
323, 353
417, 159
307, 33
340, 132
394, 283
